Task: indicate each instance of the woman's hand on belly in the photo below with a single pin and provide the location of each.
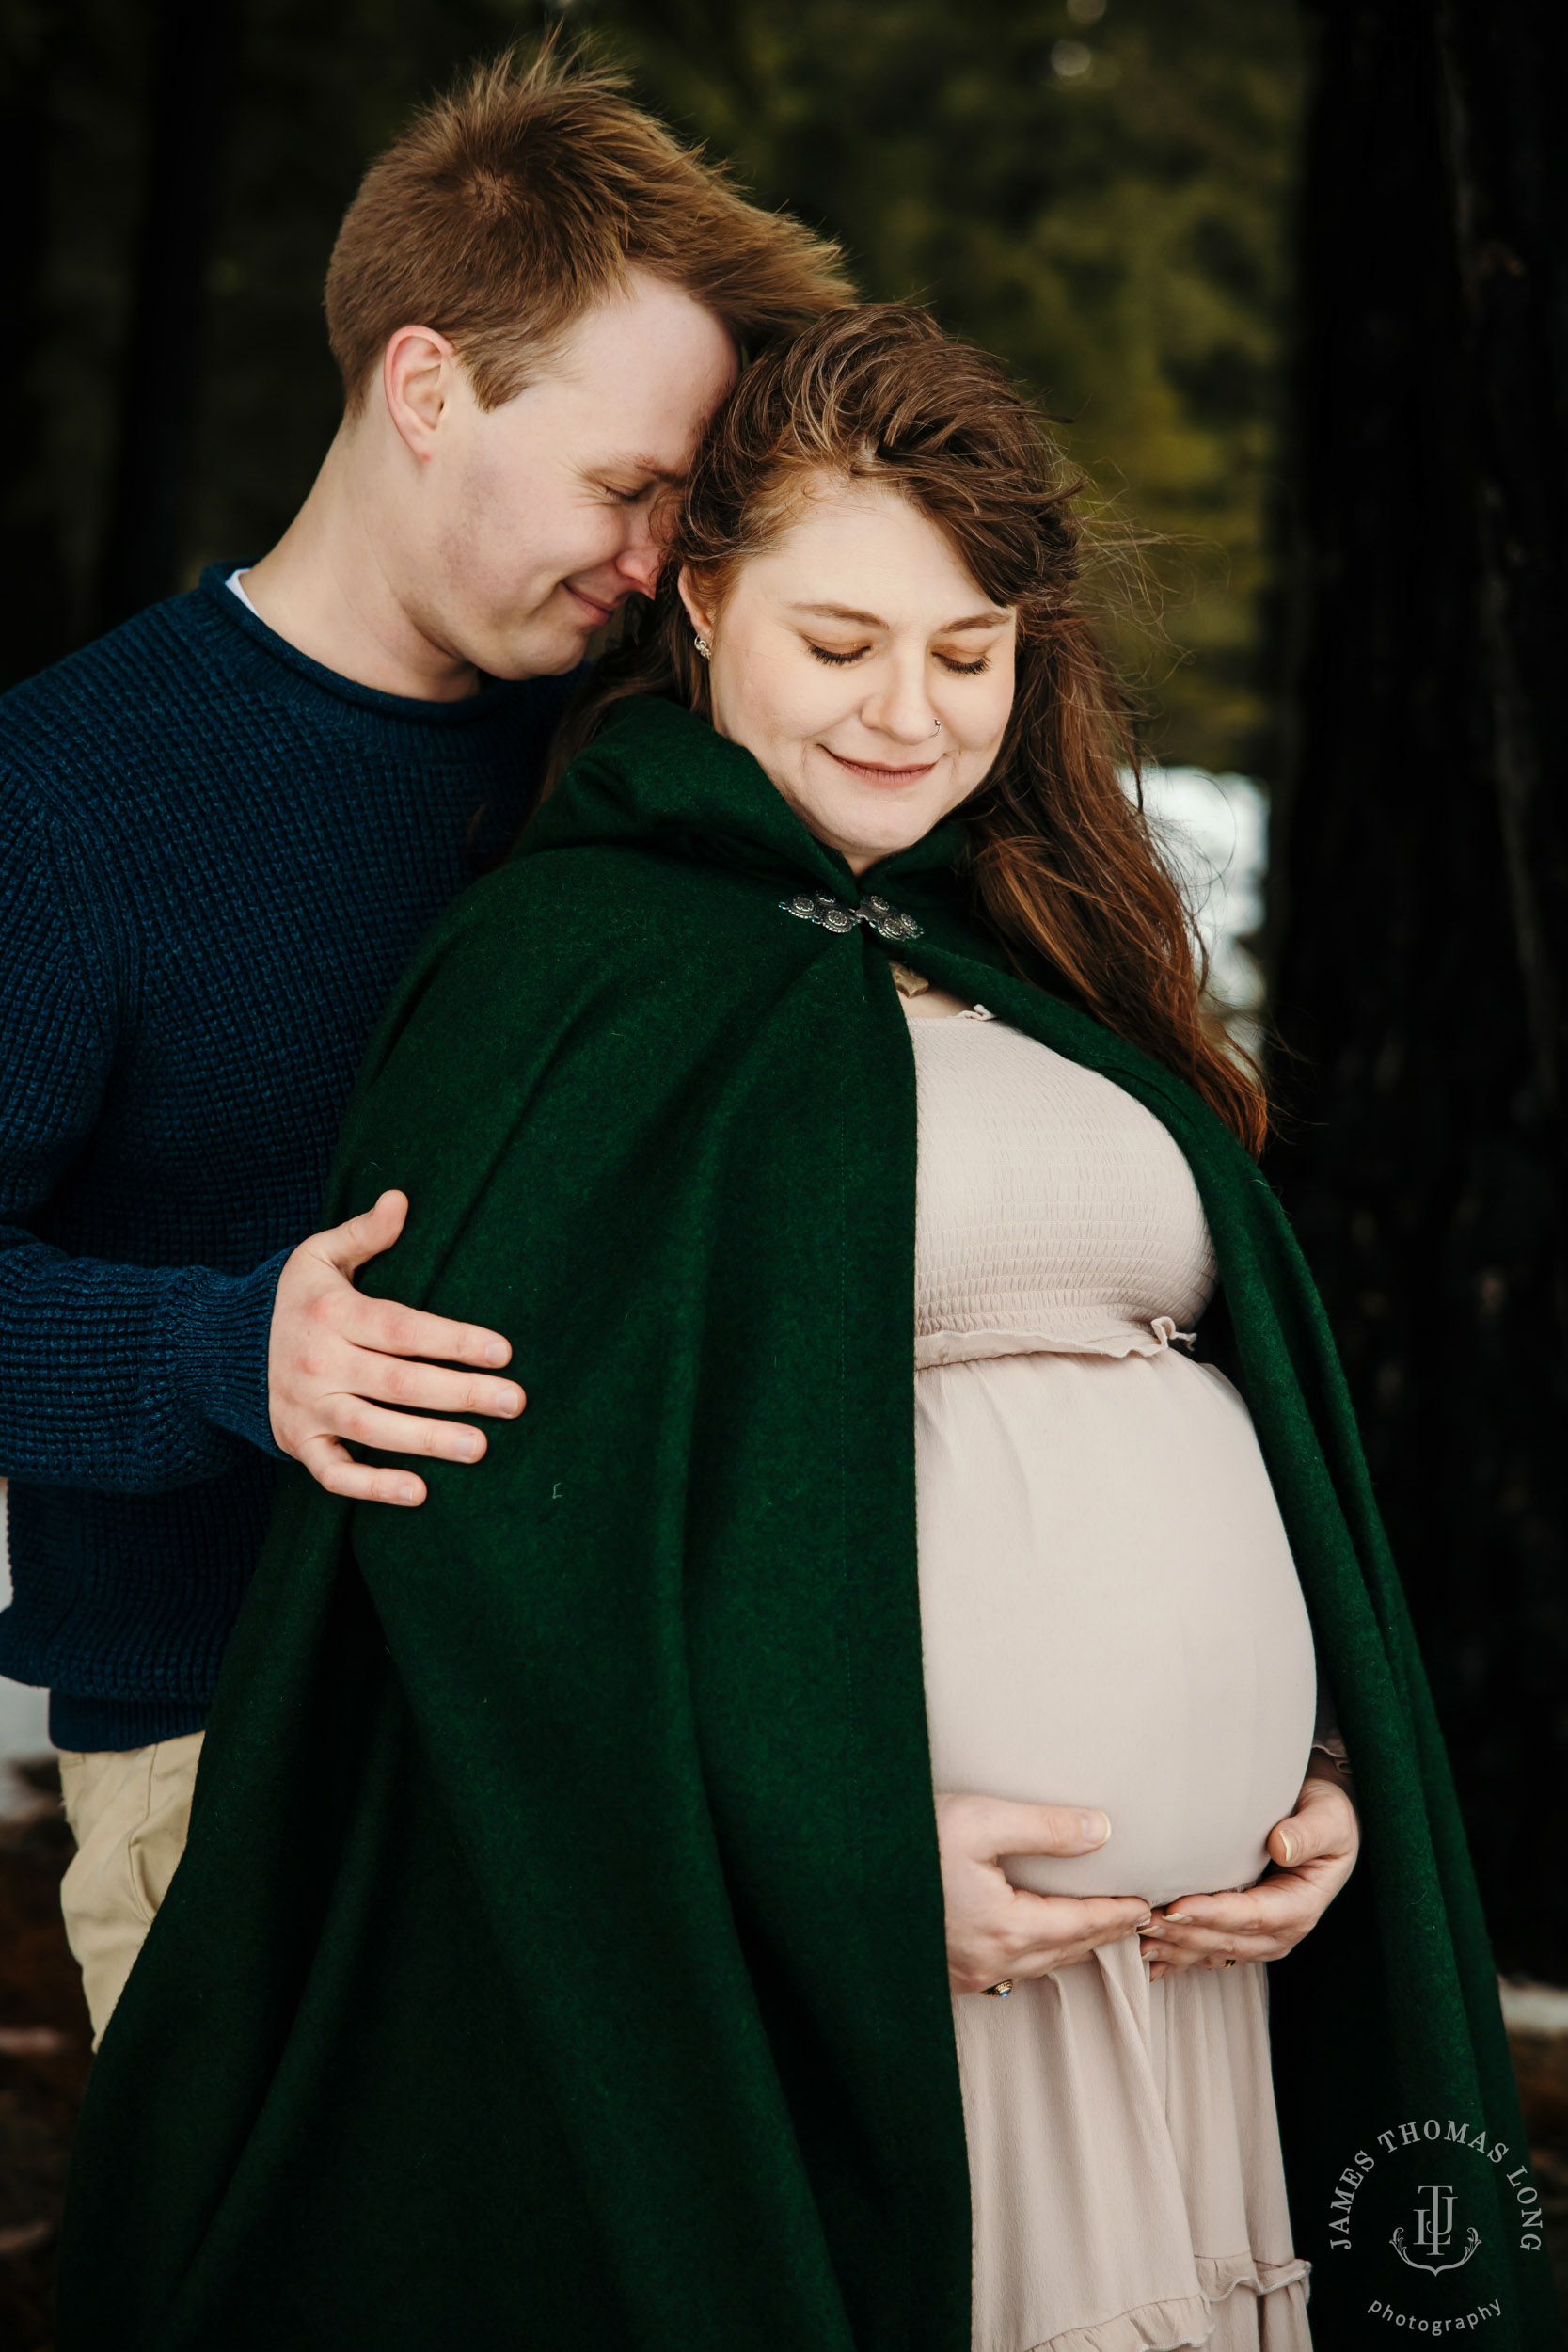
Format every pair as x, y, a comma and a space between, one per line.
1315, 1853
996, 1930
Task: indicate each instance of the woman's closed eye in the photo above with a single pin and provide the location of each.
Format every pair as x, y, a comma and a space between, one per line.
841, 660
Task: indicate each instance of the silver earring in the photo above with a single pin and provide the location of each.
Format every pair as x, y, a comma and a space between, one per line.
703, 646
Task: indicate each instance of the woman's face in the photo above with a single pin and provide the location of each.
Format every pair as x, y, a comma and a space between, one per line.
836, 655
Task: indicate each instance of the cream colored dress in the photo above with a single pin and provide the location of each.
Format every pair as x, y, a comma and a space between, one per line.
1111, 1617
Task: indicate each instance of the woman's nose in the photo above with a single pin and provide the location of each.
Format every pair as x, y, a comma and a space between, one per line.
902, 710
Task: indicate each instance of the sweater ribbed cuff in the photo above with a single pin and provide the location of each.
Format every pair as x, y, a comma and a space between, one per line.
94, 1726
220, 1338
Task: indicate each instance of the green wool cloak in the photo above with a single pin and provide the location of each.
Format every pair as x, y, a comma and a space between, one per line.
558, 1957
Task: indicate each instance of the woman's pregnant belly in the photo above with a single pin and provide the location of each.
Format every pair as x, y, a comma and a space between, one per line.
1111, 1615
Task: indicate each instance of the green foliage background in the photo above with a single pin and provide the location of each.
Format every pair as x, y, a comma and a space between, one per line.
1104, 201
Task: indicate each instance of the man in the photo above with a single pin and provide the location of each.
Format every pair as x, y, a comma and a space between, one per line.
223, 829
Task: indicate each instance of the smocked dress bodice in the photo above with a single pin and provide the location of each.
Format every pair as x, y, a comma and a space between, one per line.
1054, 1213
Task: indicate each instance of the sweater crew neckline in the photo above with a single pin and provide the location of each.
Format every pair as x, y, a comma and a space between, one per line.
240, 620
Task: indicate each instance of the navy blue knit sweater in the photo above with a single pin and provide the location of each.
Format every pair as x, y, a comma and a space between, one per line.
216, 858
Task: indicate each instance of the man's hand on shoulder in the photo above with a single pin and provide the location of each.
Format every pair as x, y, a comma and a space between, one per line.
337, 1360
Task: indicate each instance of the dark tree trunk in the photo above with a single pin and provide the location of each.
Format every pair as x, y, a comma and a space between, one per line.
190, 108
36, 613
1422, 925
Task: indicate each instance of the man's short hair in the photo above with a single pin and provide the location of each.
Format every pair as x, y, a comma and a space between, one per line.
507, 209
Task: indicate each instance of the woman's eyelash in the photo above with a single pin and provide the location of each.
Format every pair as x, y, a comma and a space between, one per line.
841, 660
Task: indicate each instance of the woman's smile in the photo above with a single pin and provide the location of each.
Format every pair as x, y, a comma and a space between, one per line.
879, 771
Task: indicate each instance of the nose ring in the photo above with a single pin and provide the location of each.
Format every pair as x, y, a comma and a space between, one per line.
937, 729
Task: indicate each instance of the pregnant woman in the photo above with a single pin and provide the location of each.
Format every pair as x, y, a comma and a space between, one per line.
657, 1894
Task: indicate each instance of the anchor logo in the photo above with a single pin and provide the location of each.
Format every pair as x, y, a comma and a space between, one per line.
1435, 2232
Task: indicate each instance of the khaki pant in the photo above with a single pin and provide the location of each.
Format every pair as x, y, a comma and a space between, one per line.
129, 1811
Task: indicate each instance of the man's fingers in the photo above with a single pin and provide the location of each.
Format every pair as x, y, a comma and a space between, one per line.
337, 1361
381, 1323
347, 1246
363, 1424
336, 1470
426, 1388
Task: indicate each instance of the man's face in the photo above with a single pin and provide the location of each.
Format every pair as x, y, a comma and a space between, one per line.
537, 518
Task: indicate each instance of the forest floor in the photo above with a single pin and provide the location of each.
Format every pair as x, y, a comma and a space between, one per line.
45, 2055
1541, 2064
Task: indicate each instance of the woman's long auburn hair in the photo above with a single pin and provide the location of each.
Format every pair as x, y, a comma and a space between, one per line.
1062, 864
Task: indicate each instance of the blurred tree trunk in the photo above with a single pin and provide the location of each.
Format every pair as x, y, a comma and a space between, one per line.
1422, 925
36, 614
190, 110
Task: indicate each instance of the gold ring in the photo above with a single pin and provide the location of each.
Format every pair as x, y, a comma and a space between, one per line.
1231, 1963
999, 1992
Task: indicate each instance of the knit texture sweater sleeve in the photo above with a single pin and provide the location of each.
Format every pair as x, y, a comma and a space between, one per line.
132, 1379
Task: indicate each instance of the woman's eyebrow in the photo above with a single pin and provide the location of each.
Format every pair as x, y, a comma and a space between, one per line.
841, 613
874, 620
